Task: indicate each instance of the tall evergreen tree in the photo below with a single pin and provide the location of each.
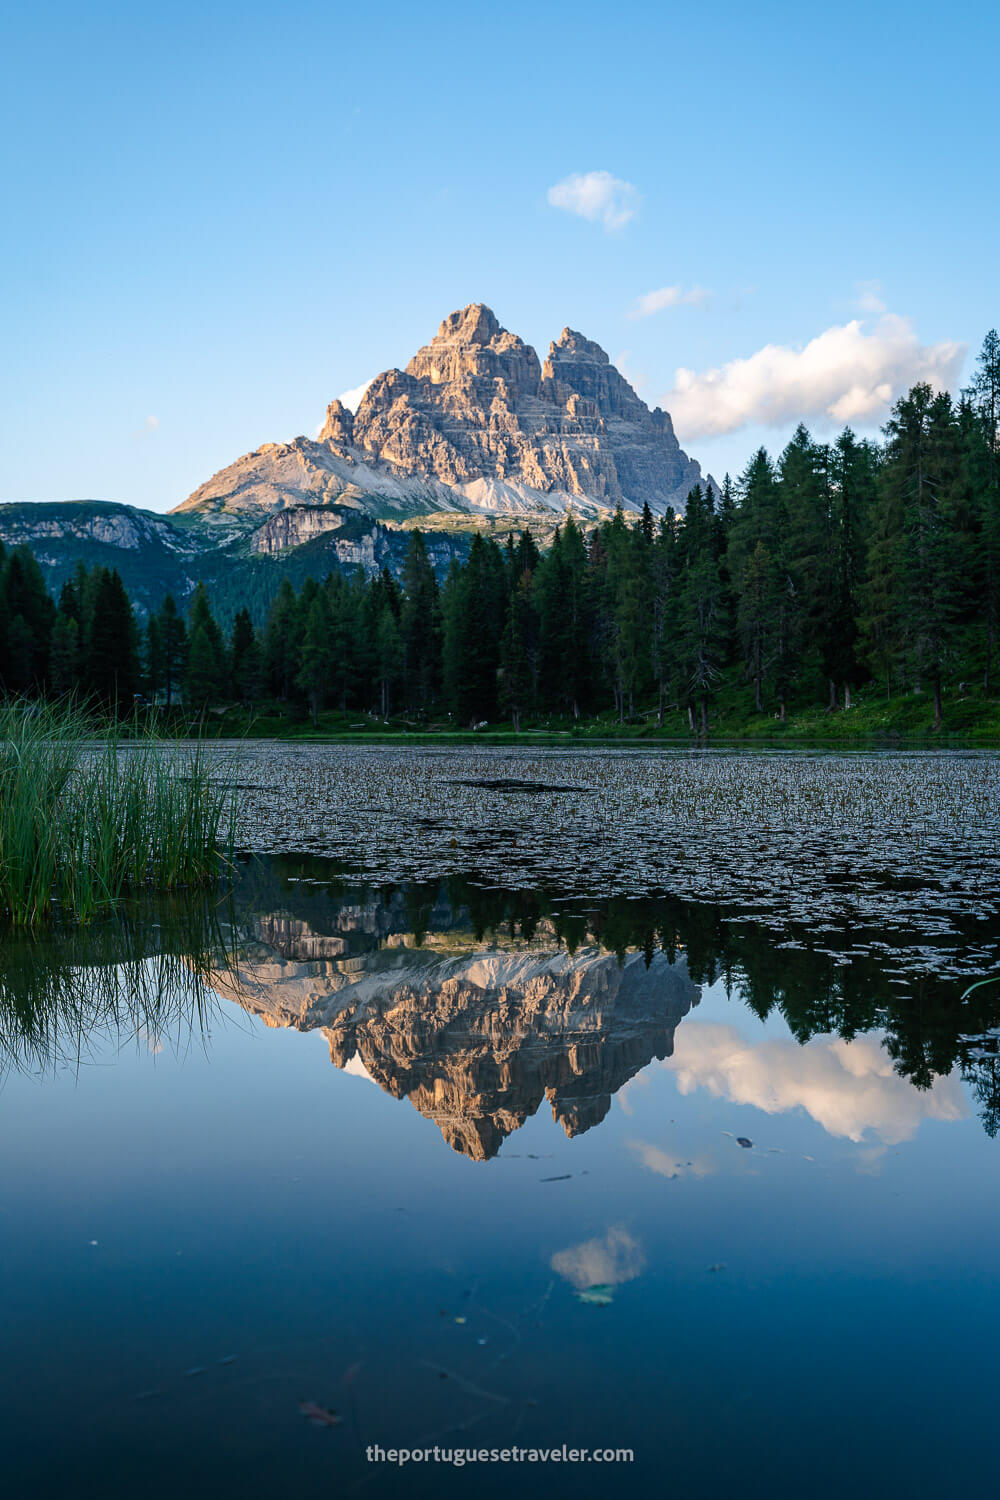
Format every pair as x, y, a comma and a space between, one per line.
173, 635
519, 653
986, 403
245, 658
420, 626
205, 674
755, 566
700, 619
112, 655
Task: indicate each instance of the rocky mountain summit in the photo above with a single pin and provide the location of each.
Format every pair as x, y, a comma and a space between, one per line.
475, 432
476, 1035
476, 423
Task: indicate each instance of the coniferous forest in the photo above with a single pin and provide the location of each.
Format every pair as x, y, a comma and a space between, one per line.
837, 567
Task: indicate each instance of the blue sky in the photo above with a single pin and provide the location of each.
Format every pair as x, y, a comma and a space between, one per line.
221, 216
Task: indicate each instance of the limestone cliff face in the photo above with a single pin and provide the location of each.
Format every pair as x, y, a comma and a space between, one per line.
476, 423
475, 1037
475, 404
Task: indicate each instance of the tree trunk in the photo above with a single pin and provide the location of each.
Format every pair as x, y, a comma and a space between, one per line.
847, 695
782, 715
691, 718
515, 715
937, 701
576, 709
831, 707
704, 715
659, 710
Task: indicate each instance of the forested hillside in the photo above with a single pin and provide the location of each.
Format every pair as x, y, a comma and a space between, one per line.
834, 567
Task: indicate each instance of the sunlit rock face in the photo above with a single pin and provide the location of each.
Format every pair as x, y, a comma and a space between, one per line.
476, 404
475, 423
474, 1037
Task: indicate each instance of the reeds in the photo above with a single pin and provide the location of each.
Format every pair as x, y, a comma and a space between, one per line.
89, 816
142, 973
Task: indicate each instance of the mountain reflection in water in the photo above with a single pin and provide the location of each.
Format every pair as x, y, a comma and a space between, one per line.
478, 1004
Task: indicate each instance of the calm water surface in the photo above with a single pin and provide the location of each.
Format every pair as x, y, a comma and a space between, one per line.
480, 1166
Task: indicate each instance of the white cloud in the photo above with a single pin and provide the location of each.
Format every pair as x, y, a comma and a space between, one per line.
665, 1164
596, 196
869, 295
609, 1260
849, 1088
668, 296
151, 424
352, 398
846, 374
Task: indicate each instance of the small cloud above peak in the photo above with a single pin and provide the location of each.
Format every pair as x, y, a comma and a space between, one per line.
668, 296
597, 196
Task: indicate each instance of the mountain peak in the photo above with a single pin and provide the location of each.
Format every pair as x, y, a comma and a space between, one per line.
573, 345
476, 423
474, 324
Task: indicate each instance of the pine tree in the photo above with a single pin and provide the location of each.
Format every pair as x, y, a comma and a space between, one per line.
30, 615
853, 479
173, 635
805, 562
153, 663
518, 653
918, 480
420, 626
700, 618
986, 402
245, 657
664, 657
391, 656
313, 674
281, 641
111, 671
474, 602
755, 566
205, 673
64, 656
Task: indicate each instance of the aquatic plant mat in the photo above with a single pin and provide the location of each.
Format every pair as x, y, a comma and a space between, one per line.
850, 846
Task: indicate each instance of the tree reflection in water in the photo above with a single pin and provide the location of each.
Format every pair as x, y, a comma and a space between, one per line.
478, 1003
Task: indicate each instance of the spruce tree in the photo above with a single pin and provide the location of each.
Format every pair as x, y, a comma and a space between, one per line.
313, 674
986, 403
518, 653
390, 655
700, 618
205, 673
756, 569
420, 626
281, 635
111, 669
245, 657
173, 635
153, 666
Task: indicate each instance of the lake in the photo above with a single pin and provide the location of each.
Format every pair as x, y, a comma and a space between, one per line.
620, 1100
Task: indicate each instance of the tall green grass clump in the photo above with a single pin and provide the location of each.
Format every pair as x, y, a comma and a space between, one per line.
90, 814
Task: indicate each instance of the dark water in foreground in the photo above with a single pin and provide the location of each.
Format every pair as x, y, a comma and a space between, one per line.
464, 1167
